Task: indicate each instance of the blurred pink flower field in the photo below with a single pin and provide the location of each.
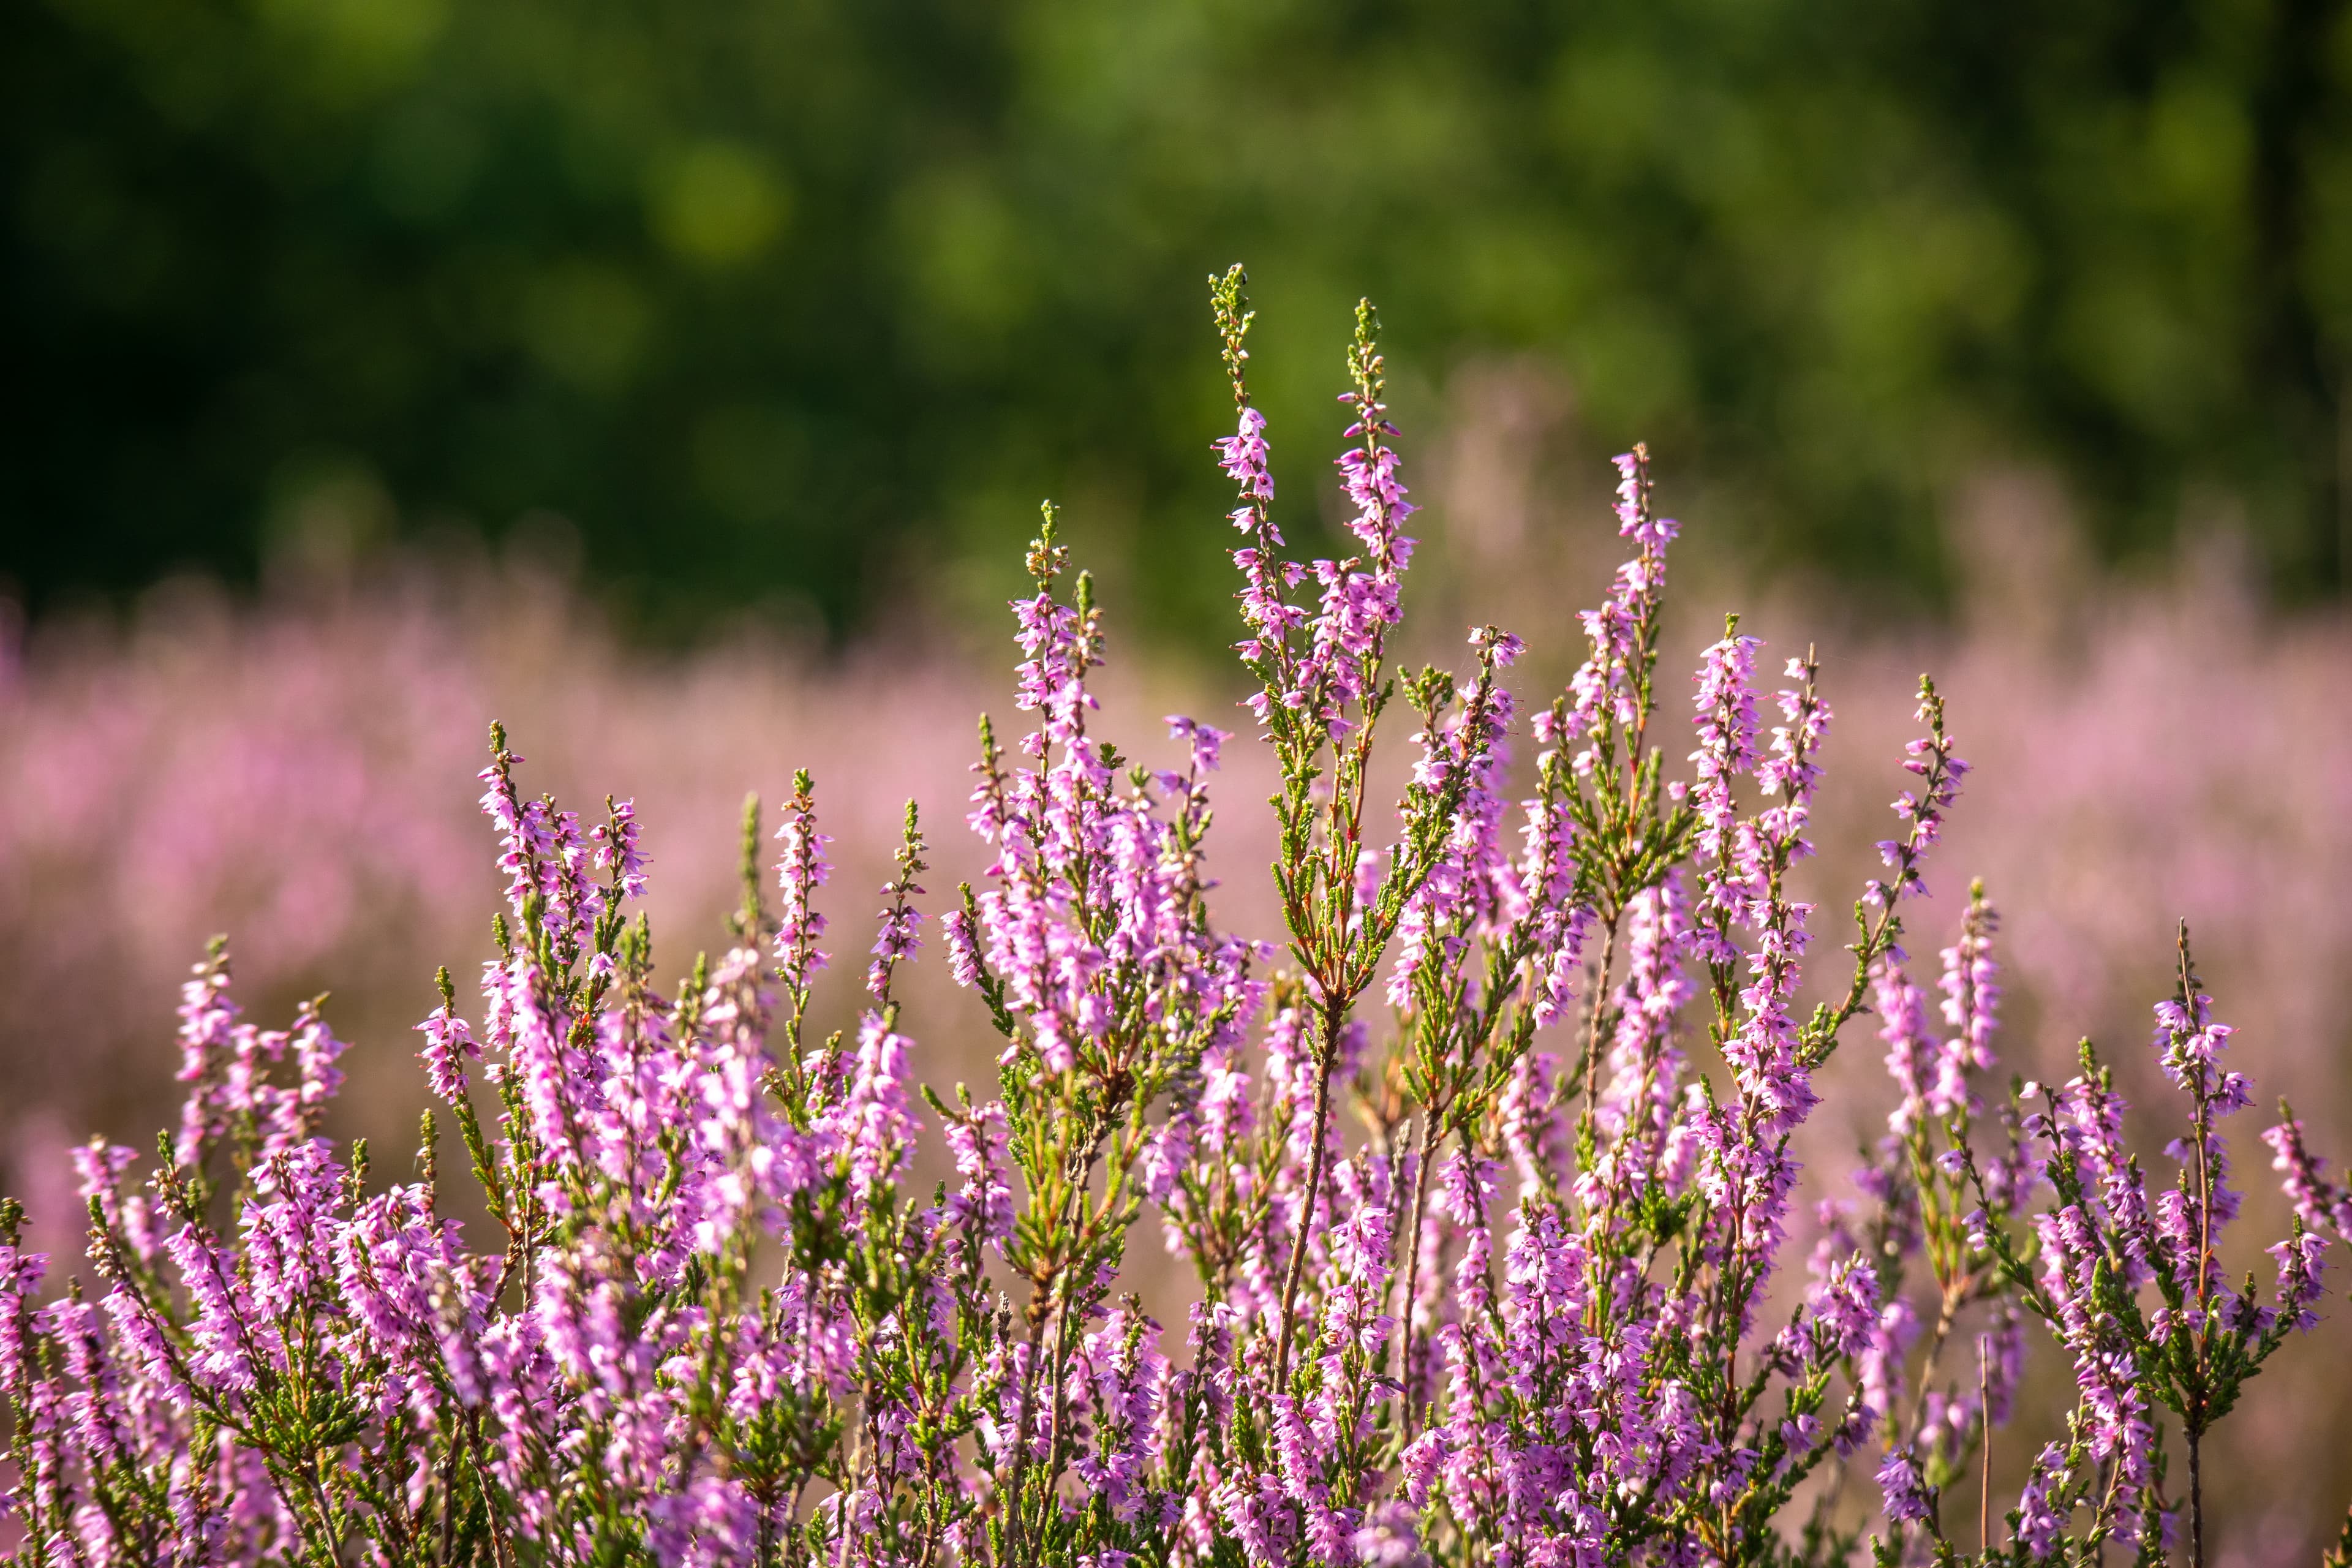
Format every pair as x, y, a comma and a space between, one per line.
298, 773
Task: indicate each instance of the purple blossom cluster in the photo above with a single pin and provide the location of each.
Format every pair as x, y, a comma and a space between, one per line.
1531, 1309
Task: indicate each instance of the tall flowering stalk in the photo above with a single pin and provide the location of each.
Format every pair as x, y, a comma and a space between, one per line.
1530, 1310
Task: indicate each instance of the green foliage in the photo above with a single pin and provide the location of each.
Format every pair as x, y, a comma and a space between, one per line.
776, 296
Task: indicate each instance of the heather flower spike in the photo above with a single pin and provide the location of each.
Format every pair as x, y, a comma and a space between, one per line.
1481, 1166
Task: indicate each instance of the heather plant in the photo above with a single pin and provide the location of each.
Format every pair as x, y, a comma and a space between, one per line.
1537, 1307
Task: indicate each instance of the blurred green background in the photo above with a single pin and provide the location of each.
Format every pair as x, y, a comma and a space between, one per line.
781, 302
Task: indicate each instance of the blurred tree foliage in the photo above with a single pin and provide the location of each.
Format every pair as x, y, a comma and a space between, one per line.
779, 295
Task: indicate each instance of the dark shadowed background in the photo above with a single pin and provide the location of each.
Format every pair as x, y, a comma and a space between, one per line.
791, 303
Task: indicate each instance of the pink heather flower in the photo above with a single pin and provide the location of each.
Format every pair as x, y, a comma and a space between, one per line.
801, 869
1502, 648
1206, 740
223, 1334
964, 948
1904, 1490
1368, 471
617, 851
876, 1123
1912, 1055
2001, 1354
1932, 760
1843, 1312
1634, 521
447, 1041
896, 939
1620, 631
1725, 704
1244, 458
983, 1203
1388, 1538
2039, 1522
1971, 987
2320, 1204
1792, 769
2300, 1261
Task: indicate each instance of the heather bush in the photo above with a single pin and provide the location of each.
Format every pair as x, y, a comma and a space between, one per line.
1537, 1306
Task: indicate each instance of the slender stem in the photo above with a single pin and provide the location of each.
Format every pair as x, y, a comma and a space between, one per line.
1595, 1014
2196, 1505
1058, 1413
1984, 1428
503, 1555
317, 1480
843, 1517
1324, 1060
1039, 1306
1943, 1316
449, 1500
1413, 1269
